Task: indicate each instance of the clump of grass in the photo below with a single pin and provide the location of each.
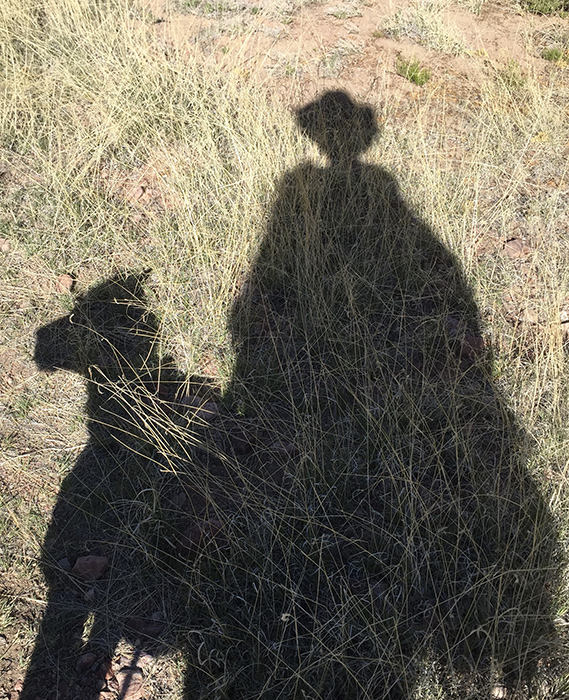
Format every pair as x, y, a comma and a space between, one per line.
207, 7
552, 43
425, 24
334, 61
23, 404
344, 12
556, 55
511, 76
474, 6
546, 7
553, 55
412, 70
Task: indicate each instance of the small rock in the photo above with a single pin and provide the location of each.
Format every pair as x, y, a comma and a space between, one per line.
90, 567
64, 564
63, 690
499, 692
516, 249
89, 595
4, 245
65, 283
145, 660
106, 669
284, 448
472, 347
453, 325
130, 682
124, 661
85, 661
104, 695
146, 628
203, 410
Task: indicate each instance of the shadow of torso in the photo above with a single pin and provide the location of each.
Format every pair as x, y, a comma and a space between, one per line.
358, 335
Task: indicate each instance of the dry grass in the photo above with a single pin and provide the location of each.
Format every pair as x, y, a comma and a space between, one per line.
425, 24
378, 508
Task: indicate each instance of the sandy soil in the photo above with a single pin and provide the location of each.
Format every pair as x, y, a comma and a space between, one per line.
302, 49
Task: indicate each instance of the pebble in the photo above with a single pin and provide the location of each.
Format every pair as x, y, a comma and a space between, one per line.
64, 564
516, 249
473, 346
130, 683
85, 661
90, 567
65, 283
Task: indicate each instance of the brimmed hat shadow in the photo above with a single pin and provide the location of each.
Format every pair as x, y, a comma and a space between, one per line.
341, 128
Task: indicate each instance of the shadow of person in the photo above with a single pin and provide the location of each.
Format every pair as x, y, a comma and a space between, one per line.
109, 543
414, 546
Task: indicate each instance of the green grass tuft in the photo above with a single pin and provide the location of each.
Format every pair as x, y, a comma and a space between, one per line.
412, 70
553, 55
547, 7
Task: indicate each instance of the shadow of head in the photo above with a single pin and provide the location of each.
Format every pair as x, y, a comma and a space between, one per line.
341, 128
109, 328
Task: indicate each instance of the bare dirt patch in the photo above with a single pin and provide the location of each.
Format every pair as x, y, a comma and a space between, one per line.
300, 49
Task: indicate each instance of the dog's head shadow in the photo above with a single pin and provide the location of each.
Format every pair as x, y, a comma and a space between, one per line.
110, 328
111, 338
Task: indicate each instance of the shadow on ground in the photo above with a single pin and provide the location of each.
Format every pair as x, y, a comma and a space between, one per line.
123, 516
353, 518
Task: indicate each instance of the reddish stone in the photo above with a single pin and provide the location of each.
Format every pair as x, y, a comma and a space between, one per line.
85, 661
65, 283
91, 567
